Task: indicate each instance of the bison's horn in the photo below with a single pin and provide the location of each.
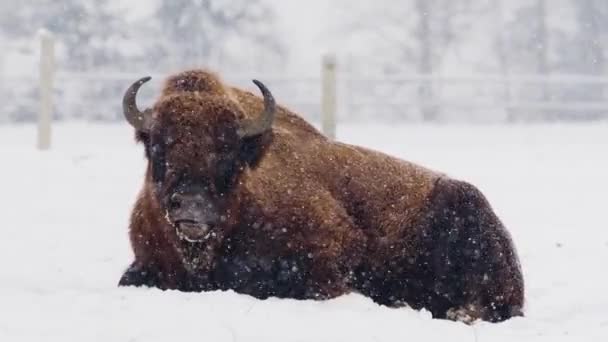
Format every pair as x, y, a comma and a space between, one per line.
134, 116
251, 128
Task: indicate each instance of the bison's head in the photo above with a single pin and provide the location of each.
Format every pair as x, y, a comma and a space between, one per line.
197, 145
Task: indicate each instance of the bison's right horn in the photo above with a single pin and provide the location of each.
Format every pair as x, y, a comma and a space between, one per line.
251, 128
138, 119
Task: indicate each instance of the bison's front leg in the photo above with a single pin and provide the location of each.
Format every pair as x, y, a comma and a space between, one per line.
473, 264
156, 262
140, 275
335, 248
146, 275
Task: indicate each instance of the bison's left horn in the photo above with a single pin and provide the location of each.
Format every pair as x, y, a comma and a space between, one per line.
251, 128
134, 116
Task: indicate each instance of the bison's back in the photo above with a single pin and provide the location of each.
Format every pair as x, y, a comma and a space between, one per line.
383, 195
386, 197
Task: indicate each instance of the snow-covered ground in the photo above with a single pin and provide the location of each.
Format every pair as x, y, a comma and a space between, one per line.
63, 241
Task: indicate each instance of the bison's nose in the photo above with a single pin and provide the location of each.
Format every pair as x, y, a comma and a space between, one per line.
186, 202
175, 202
192, 215
191, 207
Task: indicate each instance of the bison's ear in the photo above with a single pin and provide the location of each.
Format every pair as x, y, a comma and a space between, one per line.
252, 149
144, 138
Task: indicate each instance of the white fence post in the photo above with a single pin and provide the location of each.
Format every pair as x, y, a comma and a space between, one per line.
328, 96
47, 66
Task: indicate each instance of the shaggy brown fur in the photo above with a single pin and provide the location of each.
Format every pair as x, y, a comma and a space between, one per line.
306, 217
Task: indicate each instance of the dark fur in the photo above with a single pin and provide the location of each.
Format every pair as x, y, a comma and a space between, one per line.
310, 218
464, 260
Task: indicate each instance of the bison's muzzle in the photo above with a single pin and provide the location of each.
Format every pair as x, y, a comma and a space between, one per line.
192, 215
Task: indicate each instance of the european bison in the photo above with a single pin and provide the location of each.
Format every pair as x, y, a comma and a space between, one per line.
243, 194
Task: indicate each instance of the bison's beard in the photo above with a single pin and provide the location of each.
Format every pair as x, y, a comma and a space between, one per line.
196, 244
196, 257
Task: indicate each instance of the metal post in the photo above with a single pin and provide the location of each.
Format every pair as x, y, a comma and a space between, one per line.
328, 96
47, 65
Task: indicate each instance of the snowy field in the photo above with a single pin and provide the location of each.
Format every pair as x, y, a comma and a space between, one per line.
64, 243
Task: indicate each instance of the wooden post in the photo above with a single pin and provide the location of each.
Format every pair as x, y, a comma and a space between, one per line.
328, 96
47, 66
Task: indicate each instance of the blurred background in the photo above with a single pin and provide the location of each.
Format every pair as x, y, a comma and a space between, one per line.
510, 95
396, 60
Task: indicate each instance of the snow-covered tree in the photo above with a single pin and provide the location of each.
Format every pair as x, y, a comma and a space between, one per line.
229, 34
86, 31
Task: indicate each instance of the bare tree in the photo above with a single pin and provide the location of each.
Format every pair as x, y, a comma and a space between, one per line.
407, 36
542, 47
502, 55
592, 17
426, 58
589, 44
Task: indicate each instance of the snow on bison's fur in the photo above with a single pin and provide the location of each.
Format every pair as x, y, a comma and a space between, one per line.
243, 194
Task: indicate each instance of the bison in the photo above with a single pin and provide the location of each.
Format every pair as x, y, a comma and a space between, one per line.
243, 194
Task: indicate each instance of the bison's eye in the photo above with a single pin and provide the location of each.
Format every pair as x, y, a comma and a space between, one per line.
174, 203
159, 164
225, 175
